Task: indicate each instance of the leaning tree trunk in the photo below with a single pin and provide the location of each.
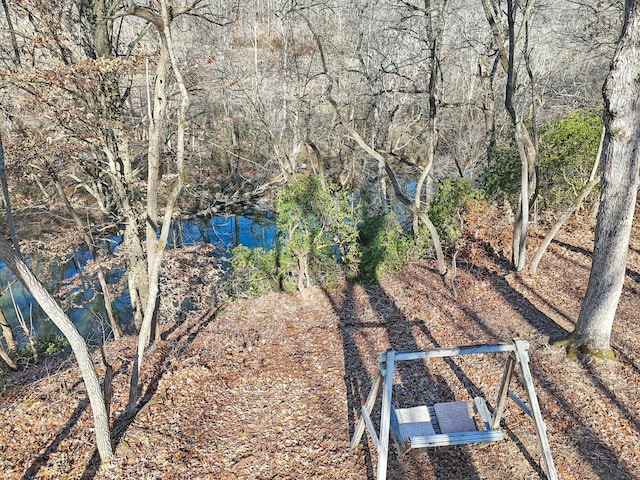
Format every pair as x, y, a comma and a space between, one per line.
4, 355
77, 343
7, 333
620, 163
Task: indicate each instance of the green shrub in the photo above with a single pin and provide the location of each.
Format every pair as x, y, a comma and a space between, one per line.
46, 346
316, 224
451, 201
318, 228
500, 180
568, 147
386, 247
253, 272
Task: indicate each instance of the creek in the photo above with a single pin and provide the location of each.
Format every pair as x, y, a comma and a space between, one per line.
85, 308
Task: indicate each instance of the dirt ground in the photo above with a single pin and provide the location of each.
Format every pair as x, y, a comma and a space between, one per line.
270, 388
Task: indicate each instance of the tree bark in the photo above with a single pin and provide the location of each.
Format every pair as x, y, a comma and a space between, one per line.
154, 268
7, 332
620, 162
7, 202
526, 148
4, 355
77, 343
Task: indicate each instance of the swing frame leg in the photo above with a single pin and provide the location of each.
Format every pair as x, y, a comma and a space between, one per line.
367, 407
518, 355
522, 348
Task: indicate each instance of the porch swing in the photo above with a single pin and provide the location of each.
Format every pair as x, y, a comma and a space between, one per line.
449, 423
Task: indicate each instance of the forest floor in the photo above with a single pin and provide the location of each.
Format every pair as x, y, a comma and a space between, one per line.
269, 388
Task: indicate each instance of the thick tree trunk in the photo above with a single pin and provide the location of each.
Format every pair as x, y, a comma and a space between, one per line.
77, 343
620, 163
4, 355
156, 141
7, 332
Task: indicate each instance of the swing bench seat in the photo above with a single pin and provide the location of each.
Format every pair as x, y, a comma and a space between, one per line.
443, 424
448, 423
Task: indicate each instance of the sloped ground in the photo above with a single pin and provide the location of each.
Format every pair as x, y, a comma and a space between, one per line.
269, 388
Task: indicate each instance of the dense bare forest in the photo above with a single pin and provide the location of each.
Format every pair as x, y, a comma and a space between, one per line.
370, 132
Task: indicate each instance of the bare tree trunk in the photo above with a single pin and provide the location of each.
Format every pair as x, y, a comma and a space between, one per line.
7, 332
526, 148
620, 163
6, 328
157, 126
164, 29
77, 343
7, 202
4, 355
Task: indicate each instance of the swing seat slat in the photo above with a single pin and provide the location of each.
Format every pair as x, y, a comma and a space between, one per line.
448, 423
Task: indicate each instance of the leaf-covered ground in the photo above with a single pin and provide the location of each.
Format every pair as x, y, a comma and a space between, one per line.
269, 388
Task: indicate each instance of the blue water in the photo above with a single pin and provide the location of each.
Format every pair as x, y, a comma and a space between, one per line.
87, 310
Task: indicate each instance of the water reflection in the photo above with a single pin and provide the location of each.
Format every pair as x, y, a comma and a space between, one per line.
85, 308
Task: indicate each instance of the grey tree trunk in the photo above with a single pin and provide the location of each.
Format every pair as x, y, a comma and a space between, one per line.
7, 202
4, 355
620, 163
163, 24
77, 343
7, 333
507, 47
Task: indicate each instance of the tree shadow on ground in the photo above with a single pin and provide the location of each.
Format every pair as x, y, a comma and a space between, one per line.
42, 459
606, 463
176, 340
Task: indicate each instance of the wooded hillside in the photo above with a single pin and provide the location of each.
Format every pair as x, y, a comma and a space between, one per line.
268, 388
432, 171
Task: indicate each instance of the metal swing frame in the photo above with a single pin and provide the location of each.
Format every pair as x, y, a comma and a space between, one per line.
421, 427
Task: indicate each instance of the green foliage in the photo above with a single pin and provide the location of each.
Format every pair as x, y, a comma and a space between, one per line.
50, 345
254, 272
386, 247
315, 223
313, 218
568, 147
501, 178
451, 200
